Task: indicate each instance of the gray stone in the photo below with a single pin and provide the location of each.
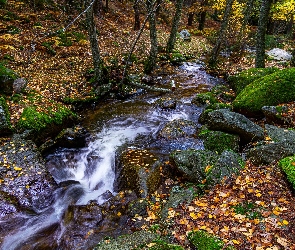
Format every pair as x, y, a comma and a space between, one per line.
280, 134
19, 85
231, 122
5, 127
279, 54
185, 35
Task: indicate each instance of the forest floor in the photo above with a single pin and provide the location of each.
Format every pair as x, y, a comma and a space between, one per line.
254, 211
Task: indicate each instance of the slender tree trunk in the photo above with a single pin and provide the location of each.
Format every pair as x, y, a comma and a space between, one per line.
221, 36
261, 31
174, 28
92, 33
151, 61
136, 15
203, 15
190, 18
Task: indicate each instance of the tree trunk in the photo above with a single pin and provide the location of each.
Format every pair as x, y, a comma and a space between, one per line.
151, 61
174, 28
190, 19
203, 15
261, 31
92, 33
221, 36
136, 15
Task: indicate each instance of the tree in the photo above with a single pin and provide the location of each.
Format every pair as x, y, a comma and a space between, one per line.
222, 31
151, 61
261, 31
203, 14
136, 15
92, 33
174, 28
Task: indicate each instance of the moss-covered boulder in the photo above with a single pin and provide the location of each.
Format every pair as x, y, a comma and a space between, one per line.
270, 90
5, 125
204, 98
287, 164
45, 122
205, 241
205, 167
219, 141
139, 170
239, 81
7, 77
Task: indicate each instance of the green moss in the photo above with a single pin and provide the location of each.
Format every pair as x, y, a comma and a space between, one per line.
204, 98
288, 166
219, 105
270, 90
161, 245
249, 209
219, 141
244, 78
34, 120
7, 72
205, 241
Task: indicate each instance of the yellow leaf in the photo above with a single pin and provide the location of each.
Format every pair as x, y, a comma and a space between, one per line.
210, 216
285, 222
208, 168
236, 242
119, 214
17, 169
193, 216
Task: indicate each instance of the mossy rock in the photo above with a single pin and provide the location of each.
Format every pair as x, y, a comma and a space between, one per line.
160, 245
219, 141
204, 98
7, 77
5, 125
244, 78
270, 90
287, 165
205, 241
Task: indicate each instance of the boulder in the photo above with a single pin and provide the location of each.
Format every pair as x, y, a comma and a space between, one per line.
270, 90
5, 126
26, 182
204, 99
166, 103
139, 170
279, 54
280, 134
219, 141
178, 128
206, 167
185, 35
231, 122
7, 77
19, 85
275, 114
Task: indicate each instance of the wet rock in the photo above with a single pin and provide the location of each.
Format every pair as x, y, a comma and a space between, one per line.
218, 141
231, 122
139, 170
5, 126
274, 114
166, 103
206, 167
179, 128
19, 85
26, 183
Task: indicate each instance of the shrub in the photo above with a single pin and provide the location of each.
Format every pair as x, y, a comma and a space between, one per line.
288, 166
244, 78
270, 90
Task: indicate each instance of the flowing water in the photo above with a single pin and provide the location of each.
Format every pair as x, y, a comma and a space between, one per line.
91, 170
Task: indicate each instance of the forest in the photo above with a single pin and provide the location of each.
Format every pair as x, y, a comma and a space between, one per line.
147, 124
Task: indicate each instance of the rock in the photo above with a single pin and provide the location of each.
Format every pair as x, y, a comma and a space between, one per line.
273, 114
204, 99
138, 207
270, 152
72, 137
185, 35
231, 122
19, 85
270, 90
218, 141
26, 182
127, 242
166, 103
280, 134
279, 54
139, 170
206, 167
178, 128
7, 77
5, 126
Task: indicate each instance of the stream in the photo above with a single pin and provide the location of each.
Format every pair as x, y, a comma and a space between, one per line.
90, 171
